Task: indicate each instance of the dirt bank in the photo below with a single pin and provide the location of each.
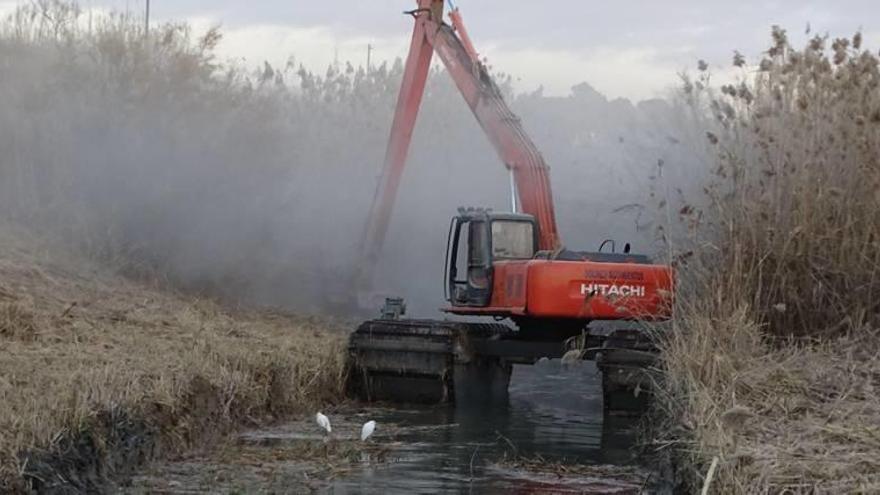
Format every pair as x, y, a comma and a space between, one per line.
99, 373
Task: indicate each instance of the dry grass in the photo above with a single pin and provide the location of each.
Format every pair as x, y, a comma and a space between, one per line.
774, 364
84, 351
17, 322
794, 417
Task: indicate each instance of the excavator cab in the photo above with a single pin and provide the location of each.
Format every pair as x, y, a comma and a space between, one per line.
477, 239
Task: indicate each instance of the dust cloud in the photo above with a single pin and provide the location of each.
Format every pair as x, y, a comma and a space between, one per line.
150, 152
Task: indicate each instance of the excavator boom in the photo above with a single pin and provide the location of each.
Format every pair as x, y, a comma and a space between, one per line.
503, 128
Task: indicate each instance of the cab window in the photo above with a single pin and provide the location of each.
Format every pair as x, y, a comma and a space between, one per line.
513, 240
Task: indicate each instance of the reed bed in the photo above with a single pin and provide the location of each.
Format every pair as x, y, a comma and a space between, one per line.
773, 366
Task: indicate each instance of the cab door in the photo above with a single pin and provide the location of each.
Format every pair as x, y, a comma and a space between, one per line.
469, 262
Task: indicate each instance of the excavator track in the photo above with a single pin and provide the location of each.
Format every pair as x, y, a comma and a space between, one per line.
627, 360
423, 361
437, 361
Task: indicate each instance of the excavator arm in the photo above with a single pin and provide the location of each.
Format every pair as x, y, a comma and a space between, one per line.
504, 130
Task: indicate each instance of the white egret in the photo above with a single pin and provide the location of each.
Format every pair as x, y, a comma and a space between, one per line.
323, 421
367, 430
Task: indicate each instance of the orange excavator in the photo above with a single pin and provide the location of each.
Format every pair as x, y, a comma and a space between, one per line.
543, 300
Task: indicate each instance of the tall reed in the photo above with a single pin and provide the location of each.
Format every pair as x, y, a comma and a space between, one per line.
773, 359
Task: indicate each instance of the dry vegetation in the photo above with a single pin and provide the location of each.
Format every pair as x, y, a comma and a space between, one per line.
144, 154
100, 373
774, 367
149, 149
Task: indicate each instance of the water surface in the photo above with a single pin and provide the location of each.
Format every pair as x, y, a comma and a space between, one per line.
553, 418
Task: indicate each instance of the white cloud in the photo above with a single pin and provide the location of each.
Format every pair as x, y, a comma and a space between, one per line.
634, 73
628, 72
7, 8
314, 47
871, 39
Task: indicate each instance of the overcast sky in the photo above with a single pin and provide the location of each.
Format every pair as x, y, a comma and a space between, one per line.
632, 49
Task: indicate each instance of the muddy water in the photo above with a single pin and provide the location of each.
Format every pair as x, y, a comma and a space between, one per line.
553, 415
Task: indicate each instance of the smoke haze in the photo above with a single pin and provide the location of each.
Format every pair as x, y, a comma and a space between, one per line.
254, 186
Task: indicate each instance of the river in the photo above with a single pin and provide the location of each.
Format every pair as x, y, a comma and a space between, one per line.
549, 436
